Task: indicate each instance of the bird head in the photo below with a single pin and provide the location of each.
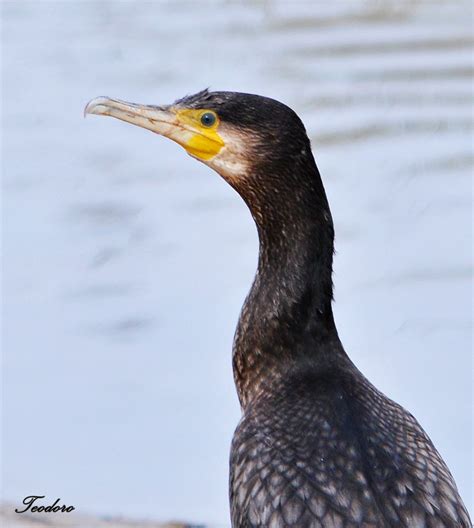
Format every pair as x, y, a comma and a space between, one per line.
260, 147
241, 136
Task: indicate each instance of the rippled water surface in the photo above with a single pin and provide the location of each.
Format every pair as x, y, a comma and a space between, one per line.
126, 262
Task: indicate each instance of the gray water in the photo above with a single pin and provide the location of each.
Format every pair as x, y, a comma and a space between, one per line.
125, 262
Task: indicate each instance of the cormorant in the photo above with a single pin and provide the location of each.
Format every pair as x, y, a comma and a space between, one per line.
318, 445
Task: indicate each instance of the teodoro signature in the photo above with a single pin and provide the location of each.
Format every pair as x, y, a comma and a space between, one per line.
30, 506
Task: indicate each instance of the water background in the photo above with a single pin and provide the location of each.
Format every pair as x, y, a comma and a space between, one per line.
126, 262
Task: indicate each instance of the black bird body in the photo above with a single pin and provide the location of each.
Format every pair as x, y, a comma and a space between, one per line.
324, 448
318, 446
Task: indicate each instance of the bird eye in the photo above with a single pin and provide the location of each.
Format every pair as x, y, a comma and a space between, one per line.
208, 119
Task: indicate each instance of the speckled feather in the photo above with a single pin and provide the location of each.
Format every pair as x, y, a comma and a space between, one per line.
328, 450
318, 446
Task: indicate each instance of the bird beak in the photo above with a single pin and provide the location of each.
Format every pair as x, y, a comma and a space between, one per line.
174, 123
159, 119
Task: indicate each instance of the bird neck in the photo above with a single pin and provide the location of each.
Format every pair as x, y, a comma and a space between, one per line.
287, 318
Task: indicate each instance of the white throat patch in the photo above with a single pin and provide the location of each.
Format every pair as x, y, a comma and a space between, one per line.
232, 160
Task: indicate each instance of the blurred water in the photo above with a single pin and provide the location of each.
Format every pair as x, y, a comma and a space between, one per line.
126, 262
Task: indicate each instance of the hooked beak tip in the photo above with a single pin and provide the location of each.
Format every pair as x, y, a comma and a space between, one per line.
96, 106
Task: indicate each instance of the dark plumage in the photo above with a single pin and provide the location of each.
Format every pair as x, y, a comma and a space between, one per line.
318, 445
